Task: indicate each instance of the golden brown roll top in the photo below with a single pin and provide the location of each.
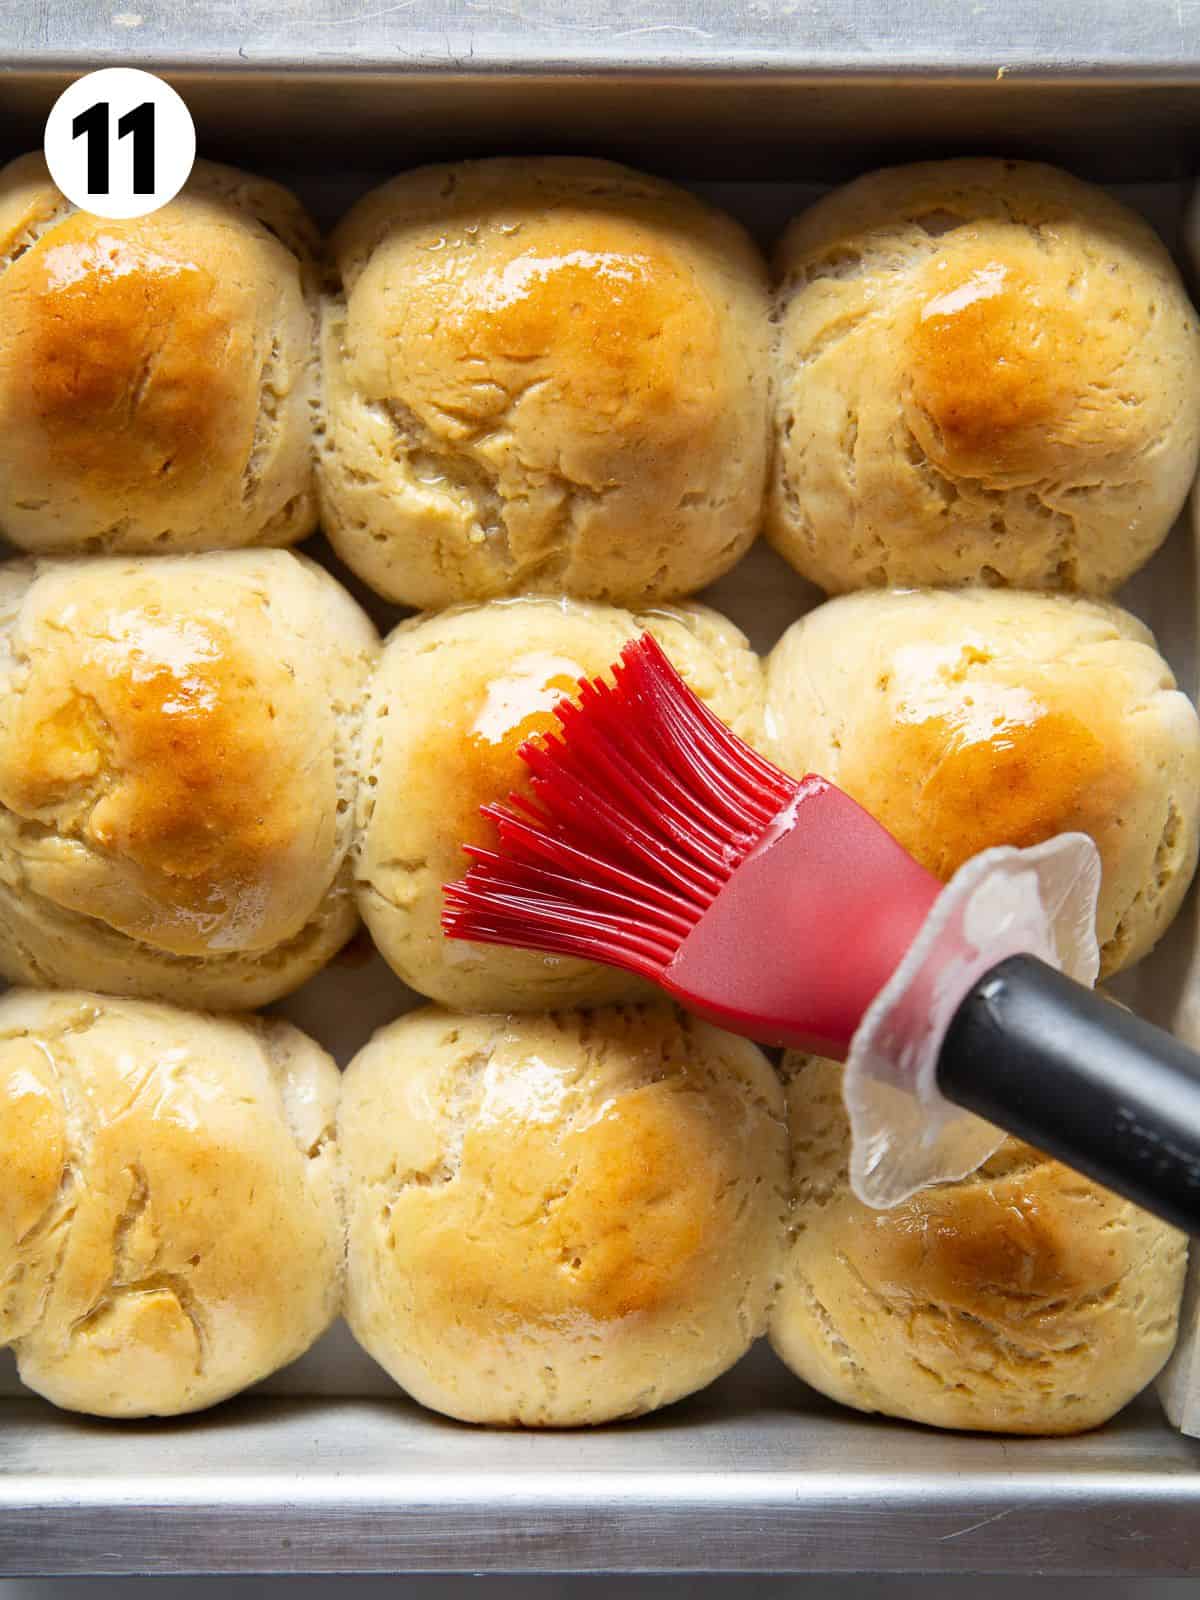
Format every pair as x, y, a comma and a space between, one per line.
453, 699
561, 1219
986, 371
967, 719
157, 375
177, 772
1023, 1299
169, 1222
542, 375
33, 1142
994, 349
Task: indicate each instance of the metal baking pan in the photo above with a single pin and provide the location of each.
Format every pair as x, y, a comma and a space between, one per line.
328, 1468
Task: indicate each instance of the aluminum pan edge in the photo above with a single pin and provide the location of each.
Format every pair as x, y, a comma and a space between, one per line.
362, 1486
1155, 38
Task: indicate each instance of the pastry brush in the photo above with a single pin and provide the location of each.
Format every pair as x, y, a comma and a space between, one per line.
656, 840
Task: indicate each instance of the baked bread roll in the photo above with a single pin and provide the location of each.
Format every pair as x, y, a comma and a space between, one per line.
980, 717
542, 375
177, 773
987, 371
1023, 1299
157, 375
170, 1229
454, 698
561, 1219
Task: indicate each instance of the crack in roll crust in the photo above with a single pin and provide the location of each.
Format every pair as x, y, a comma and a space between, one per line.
974, 718
1023, 1299
986, 371
542, 376
560, 1219
177, 772
453, 698
170, 1230
157, 375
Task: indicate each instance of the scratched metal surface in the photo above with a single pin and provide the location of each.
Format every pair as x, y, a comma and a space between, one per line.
1113, 86
790, 1484
1150, 37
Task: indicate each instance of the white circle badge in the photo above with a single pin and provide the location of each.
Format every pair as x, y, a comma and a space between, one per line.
120, 143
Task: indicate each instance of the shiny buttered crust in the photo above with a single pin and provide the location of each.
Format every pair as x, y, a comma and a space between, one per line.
454, 697
1024, 1299
985, 717
158, 375
177, 773
561, 1219
542, 375
170, 1226
986, 371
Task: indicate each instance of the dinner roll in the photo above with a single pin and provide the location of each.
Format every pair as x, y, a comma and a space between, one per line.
561, 1219
177, 773
1023, 1299
987, 371
171, 1228
454, 698
542, 375
157, 375
981, 717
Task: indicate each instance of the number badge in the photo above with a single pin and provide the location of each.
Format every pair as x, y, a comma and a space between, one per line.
120, 143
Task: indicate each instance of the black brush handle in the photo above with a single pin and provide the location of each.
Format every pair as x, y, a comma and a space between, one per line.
1108, 1094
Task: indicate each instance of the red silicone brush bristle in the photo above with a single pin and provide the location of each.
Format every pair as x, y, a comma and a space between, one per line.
643, 806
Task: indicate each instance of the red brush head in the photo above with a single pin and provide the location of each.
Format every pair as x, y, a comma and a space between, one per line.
644, 806
658, 841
